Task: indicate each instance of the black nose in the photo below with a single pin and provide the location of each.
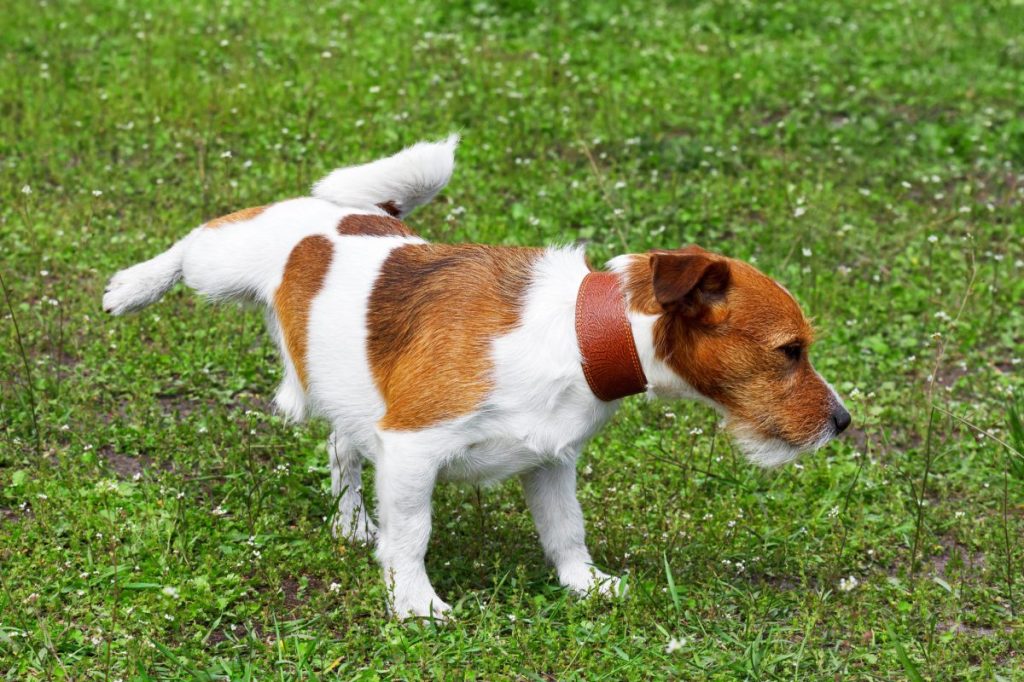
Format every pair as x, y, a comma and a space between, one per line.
840, 419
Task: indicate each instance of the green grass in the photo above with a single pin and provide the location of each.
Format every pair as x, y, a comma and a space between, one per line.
156, 522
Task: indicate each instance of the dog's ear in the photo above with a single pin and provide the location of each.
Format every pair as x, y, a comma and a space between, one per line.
688, 281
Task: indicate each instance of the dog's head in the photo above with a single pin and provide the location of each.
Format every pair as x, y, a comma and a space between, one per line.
724, 332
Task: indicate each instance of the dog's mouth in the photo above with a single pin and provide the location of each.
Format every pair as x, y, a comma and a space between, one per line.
769, 452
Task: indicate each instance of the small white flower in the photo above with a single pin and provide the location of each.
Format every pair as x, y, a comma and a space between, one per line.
171, 592
799, 211
374, 89
833, 512
226, 154
675, 644
848, 584
334, 587
806, 252
932, 238
325, 54
97, 192
26, 190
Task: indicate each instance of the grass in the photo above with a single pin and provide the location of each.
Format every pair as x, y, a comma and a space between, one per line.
157, 522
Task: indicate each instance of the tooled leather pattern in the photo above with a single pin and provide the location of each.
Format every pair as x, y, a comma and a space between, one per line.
605, 338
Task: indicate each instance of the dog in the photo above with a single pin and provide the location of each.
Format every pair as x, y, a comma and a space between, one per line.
477, 363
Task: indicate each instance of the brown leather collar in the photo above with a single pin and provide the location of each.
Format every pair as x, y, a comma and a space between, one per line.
605, 337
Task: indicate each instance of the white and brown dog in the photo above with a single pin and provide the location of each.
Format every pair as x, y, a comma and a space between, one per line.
476, 363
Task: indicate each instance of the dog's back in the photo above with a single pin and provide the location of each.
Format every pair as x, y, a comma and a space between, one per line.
279, 255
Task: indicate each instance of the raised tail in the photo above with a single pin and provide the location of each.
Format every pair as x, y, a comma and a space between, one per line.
398, 183
243, 254
136, 287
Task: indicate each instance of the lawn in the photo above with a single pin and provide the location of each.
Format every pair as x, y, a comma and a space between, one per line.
158, 521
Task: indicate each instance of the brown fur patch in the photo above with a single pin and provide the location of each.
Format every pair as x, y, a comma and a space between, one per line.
304, 275
390, 207
366, 225
433, 313
729, 351
236, 217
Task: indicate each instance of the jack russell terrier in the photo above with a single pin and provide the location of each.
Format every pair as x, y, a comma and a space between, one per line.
476, 363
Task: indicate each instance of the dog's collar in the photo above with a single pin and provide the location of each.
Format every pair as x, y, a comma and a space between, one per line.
605, 338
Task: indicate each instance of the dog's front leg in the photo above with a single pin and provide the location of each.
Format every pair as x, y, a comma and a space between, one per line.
404, 484
551, 493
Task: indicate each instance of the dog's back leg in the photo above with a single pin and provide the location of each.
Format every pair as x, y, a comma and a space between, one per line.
351, 520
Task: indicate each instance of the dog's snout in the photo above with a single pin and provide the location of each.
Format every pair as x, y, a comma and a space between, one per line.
840, 419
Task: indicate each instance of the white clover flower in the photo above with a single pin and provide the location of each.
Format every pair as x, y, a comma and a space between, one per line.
848, 584
334, 587
675, 644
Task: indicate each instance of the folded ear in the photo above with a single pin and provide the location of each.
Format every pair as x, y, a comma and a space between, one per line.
689, 281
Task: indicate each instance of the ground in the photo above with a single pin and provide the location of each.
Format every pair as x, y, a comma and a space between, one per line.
158, 522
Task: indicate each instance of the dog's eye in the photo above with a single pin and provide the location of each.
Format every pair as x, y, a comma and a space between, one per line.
792, 351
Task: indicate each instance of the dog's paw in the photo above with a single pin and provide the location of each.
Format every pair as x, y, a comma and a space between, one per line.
587, 581
421, 608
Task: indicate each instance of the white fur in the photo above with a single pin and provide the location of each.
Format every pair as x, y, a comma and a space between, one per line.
533, 424
410, 178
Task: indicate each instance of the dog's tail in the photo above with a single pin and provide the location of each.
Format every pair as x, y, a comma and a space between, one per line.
397, 184
136, 287
225, 263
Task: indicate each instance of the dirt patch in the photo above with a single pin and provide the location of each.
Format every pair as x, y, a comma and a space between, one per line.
295, 595
954, 552
128, 467
972, 630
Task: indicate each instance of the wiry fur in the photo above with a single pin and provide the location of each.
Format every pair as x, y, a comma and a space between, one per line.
530, 411
410, 178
